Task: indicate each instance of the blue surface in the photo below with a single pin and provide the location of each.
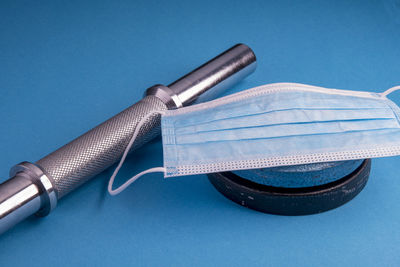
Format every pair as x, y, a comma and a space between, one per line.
65, 67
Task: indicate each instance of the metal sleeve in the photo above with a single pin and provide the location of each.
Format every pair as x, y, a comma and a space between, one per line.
93, 152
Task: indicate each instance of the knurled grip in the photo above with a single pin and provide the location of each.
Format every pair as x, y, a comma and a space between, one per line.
70, 166
75, 163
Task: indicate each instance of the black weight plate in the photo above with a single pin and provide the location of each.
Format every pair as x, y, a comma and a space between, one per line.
291, 201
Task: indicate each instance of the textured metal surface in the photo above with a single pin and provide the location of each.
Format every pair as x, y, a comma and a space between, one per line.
88, 155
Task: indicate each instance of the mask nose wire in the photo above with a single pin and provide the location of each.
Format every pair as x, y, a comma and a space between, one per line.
391, 90
114, 192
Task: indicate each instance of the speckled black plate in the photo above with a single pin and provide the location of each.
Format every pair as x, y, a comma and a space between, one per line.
291, 201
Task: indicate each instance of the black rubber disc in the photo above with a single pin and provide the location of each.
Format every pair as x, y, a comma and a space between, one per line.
291, 201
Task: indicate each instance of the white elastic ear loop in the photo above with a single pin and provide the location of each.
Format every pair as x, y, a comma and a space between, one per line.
391, 90
114, 192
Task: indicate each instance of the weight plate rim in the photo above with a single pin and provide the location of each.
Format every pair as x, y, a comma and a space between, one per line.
236, 189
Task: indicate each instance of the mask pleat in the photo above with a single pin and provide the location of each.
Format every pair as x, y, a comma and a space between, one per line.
279, 125
288, 117
290, 100
220, 152
286, 130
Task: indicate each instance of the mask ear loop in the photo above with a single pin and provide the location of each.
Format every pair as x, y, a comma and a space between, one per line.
391, 90
114, 192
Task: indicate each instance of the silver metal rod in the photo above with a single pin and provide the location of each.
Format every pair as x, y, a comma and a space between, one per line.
219, 73
36, 188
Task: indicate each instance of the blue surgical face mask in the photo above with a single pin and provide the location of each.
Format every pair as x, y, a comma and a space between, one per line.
276, 125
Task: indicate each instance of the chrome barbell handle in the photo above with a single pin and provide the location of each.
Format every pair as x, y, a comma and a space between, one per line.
35, 188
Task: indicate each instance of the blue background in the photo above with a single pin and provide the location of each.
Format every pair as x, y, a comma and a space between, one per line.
67, 66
